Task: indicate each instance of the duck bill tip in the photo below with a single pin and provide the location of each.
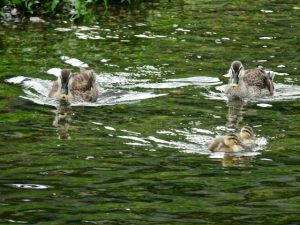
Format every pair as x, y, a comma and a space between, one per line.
63, 97
234, 85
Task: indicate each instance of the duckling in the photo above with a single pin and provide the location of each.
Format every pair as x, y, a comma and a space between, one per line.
79, 86
246, 135
249, 83
227, 143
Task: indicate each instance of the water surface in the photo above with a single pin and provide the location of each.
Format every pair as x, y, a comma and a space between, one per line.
138, 155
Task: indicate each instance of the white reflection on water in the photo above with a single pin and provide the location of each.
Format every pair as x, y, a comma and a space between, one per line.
110, 85
193, 140
149, 36
74, 62
13, 221
29, 186
114, 87
201, 81
37, 90
98, 33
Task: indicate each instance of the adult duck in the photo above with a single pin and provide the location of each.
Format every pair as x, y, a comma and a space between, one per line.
249, 83
77, 86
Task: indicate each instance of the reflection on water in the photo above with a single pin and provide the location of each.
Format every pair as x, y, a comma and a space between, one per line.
139, 154
110, 85
236, 161
193, 141
235, 112
62, 119
37, 90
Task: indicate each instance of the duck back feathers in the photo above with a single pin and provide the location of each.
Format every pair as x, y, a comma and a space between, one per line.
80, 86
260, 79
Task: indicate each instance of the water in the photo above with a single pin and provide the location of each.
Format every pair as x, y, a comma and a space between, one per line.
138, 155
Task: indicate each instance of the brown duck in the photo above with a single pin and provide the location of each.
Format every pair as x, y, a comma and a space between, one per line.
77, 86
249, 83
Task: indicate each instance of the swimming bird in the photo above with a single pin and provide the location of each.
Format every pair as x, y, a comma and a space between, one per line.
246, 135
249, 83
78, 86
227, 143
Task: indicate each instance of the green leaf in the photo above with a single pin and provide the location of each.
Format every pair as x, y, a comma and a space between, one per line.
105, 4
54, 4
16, 2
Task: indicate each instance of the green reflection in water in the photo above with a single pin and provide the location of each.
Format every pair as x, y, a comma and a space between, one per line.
100, 175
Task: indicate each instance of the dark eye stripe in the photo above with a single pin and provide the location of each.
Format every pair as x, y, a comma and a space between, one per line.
247, 131
232, 137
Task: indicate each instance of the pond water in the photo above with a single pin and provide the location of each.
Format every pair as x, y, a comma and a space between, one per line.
138, 155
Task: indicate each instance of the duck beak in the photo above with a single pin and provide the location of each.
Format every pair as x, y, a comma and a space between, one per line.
64, 93
235, 81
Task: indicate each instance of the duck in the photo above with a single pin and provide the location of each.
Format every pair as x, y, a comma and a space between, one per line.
75, 86
249, 83
228, 143
246, 135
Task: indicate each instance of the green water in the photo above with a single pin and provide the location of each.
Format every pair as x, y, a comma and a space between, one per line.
143, 161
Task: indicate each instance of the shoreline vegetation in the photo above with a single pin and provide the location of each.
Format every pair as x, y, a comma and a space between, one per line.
17, 10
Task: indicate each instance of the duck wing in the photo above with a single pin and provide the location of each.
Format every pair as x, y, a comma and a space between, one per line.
83, 81
260, 79
84, 85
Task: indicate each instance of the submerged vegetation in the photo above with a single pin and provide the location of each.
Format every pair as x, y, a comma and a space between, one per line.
15, 9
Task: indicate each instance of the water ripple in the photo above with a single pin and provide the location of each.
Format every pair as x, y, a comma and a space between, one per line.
29, 186
193, 141
36, 90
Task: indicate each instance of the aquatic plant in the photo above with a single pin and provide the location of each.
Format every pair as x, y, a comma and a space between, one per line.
73, 9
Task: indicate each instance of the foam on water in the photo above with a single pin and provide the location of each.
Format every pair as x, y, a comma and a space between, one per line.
29, 186
193, 141
74, 62
201, 81
110, 85
36, 90
54, 71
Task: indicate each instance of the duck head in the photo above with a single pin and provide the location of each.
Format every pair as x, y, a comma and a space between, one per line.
64, 80
236, 71
233, 142
246, 133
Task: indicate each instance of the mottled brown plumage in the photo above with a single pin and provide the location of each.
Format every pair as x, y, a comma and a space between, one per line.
249, 83
78, 86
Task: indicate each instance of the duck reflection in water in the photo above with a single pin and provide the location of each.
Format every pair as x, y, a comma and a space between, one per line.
62, 119
235, 112
230, 160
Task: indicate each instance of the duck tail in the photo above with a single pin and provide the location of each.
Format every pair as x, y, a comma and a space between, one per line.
92, 76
